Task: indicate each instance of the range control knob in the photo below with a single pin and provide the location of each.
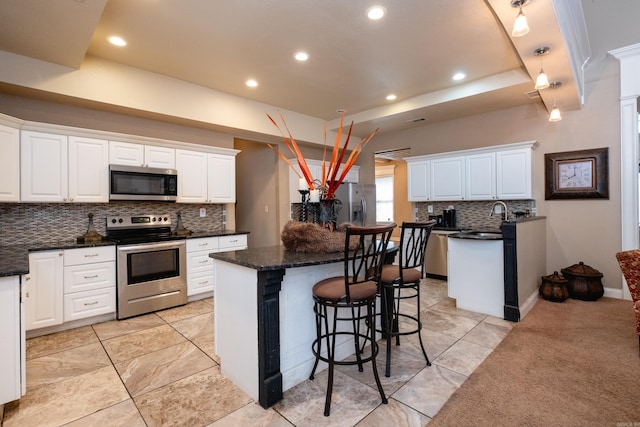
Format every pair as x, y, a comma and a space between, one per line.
166, 219
113, 221
120, 220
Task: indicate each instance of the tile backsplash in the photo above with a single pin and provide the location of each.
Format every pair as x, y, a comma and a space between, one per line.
22, 223
475, 214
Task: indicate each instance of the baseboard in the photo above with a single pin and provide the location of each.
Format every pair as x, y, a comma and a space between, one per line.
613, 293
528, 304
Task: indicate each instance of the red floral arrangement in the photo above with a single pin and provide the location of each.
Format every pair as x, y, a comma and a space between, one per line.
330, 180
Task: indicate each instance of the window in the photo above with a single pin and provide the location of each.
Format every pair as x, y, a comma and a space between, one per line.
384, 193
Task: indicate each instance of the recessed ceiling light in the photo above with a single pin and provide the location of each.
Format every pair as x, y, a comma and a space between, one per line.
391, 97
117, 41
301, 56
376, 12
251, 83
459, 76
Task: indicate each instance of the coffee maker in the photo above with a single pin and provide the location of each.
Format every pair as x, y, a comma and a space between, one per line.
449, 218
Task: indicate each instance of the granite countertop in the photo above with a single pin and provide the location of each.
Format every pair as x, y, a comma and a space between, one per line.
14, 259
278, 258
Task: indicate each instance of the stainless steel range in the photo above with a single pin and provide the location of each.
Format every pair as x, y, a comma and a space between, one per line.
151, 264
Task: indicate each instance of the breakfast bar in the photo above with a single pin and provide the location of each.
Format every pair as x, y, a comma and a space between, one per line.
264, 321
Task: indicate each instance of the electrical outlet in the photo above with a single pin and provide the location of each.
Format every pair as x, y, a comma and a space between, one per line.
203, 212
430, 208
497, 209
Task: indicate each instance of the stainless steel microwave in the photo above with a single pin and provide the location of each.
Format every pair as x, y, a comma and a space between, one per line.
142, 183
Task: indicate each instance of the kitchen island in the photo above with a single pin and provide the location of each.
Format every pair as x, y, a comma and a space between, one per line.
498, 272
264, 320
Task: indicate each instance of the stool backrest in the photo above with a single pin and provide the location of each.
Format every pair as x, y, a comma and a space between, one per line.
413, 244
364, 263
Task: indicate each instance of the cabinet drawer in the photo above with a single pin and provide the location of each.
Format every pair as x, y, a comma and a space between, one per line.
89, 255
205, 244
231, 243
200, 283
89, 303
199, 262
91, 276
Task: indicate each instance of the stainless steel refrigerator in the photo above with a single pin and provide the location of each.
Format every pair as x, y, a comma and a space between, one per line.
358, 203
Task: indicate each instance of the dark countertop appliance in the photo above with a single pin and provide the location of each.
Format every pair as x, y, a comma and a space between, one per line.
439, 219
449, 218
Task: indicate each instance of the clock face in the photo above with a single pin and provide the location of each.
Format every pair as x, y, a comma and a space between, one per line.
575, 174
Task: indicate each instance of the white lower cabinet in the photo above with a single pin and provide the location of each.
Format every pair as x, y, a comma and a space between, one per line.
89, 282
200, 272
12, 337
201, 268
66, 285
44, 290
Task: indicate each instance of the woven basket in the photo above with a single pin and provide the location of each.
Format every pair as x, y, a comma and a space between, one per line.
310, 237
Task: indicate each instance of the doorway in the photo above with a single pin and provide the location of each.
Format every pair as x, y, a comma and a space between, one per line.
256, 193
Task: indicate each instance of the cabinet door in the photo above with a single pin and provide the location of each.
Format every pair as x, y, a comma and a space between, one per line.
159, 157
480, 176
222, 178
514, 179
192, 176
126, 153
447, 178
88, 170
43, 167
418, 178
12, 339
9, 164
44, 290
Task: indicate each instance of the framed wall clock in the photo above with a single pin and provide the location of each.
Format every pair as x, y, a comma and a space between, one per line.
577, 174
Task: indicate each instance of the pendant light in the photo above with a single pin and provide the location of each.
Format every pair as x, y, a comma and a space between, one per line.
520, 26
555, 115
542, 81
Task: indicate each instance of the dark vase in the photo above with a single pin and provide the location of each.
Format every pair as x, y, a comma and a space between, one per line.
329, 209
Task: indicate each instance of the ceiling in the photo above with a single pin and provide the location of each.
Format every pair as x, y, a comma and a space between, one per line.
354, 62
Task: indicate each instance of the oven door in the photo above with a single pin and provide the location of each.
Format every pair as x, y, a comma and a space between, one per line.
151, 277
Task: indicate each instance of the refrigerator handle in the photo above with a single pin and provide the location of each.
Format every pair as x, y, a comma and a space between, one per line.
363, 203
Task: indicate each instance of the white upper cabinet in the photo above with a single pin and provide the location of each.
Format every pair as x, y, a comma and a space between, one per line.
419, 180
9, 164
159, 157
498, 172
88, 170
447, 178
57, 168
480, 176
514, 176
221, 183
126, 153
43, 167
205, 177
192, 176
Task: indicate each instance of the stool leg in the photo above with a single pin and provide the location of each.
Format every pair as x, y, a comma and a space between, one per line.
374, 350
331, 343
356, 334
318, 341
424, 352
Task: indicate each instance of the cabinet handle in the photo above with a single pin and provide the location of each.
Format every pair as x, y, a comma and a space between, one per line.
204, 262
60, 253
203, 244
203, 283
233, 241
90, 255
91, 277
90, 303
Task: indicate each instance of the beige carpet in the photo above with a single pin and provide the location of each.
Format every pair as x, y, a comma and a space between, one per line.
573, 363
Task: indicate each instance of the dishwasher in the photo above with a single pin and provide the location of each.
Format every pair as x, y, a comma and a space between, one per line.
435, 260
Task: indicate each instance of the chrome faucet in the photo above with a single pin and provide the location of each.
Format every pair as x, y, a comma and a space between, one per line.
505, 215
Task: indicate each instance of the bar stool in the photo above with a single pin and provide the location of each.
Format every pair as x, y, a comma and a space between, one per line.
343, 299
401, 282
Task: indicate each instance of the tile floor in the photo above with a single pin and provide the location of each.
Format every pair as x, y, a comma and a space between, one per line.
160, 369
